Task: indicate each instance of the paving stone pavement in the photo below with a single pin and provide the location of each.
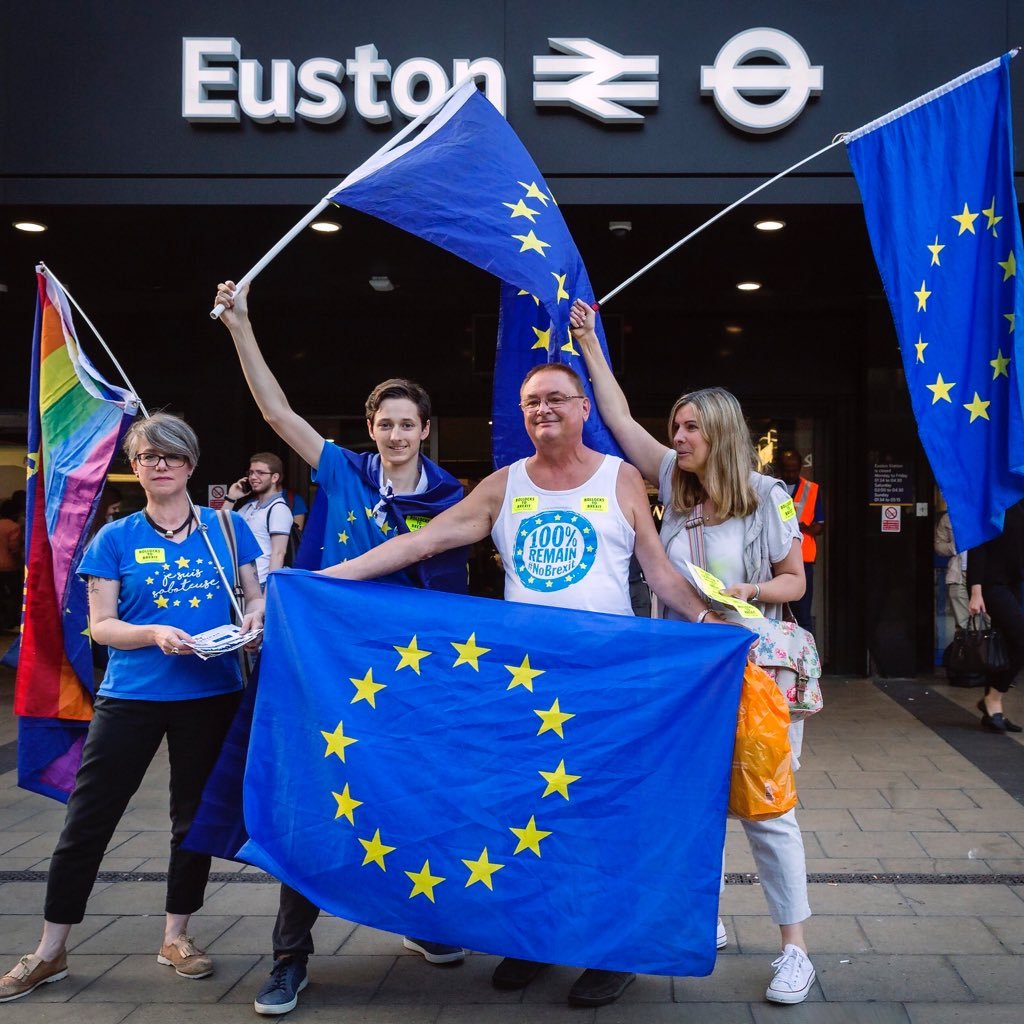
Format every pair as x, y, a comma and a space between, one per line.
914, 828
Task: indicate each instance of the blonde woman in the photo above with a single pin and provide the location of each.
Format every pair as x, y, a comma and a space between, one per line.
721, 512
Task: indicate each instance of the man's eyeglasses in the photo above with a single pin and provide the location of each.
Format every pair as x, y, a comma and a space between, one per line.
259, 472
151, 459
555, 402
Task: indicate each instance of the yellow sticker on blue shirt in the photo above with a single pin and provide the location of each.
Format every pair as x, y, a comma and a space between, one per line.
594, 504
527, 504
144, 555
416, 522
787, 510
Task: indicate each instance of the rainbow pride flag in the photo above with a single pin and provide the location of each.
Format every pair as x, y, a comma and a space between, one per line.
76, 422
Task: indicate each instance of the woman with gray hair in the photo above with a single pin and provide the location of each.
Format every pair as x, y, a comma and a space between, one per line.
152, 586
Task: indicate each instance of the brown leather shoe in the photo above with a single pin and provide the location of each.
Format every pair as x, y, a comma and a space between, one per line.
187, 959
30, 972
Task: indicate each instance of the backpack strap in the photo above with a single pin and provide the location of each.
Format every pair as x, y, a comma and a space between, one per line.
227, 526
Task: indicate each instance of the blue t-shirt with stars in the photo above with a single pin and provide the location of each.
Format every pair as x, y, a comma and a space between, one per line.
168, 584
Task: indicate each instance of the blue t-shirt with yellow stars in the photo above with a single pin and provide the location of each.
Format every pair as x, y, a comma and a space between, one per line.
168, 584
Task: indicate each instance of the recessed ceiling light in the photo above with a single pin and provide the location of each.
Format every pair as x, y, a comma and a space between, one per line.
733, 329
749, 286
325, 227
381, 283
770, 225
32, 226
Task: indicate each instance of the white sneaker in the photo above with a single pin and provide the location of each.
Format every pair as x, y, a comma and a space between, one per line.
721, 939
794, 975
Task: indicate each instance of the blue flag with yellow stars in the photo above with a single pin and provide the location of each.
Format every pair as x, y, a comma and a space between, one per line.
525, 781
467, 184
936, 178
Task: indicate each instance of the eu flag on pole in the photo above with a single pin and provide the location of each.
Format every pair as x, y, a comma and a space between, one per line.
527, 781
467, 184
936, 178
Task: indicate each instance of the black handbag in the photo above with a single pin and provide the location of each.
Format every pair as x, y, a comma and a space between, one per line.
978, 650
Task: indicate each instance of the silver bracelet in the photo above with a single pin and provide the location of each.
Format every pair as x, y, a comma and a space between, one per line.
757, 592
703, 615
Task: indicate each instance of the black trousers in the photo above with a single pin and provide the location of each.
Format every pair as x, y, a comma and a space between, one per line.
1003, 604
802, 609
293, 929
123, 739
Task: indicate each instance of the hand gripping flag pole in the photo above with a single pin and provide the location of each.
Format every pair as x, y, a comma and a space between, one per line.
261, 265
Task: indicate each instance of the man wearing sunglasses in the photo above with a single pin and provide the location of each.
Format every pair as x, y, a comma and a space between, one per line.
268, 514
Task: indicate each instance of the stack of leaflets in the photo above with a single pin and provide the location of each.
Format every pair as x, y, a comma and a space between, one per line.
221, 640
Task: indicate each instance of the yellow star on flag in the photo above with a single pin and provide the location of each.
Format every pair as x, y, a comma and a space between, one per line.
346, 804
520, 209
568, 346
935, 250
337, 741
386, 527
367, 689
523, 675
920, 346
411, 656
561, 293
999, 365
532, 192
469, 652
543, 338
368, 511
351, 515
481, 870
922, 298
1009, 266
977, 408
424, 882
993, 220
532, 242
182, 563
529, 837
343, 538
161, 602
558, 781
523, 291
376, 851
940, 390
1012, 317
553, 719
965, 220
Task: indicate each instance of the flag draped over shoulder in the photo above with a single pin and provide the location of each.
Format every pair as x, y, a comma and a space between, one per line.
527, 781
467, 184
76, 422
936, 178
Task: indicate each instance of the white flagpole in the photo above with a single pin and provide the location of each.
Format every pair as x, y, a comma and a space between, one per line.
229, 589
721, 213
325, 202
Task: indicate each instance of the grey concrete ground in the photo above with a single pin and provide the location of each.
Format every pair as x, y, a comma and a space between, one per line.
890, 788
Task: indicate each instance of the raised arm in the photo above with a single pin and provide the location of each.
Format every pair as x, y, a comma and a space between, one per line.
464, 523
299, 435
643, 450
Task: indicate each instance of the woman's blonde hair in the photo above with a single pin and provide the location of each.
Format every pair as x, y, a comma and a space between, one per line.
731, 456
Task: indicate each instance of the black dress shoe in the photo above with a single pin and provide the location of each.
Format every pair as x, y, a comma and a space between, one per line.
996, 722
599, 988
1007, 724
513, 973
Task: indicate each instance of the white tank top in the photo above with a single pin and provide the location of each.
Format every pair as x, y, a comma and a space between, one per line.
566, 549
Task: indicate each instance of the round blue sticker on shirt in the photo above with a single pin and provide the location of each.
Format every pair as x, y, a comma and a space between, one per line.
554, 550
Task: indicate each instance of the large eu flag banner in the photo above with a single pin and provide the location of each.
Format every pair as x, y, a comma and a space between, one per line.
467, 183
525, 781
936, 177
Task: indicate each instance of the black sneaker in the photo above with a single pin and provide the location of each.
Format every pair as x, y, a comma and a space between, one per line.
595, 987
280, 992
435, 952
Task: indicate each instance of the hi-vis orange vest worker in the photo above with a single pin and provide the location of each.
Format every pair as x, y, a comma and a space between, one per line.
805, 499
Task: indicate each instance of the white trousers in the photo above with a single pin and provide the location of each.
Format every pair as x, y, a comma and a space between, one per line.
778, 849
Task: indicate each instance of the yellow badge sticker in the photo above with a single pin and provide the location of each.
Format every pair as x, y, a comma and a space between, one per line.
527, 504
416, 522
143, 555
787, 510
594, 505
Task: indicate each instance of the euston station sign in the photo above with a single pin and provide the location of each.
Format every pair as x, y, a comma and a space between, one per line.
219, 86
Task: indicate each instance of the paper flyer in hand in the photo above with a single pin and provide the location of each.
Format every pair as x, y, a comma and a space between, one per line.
221, 640
714, 588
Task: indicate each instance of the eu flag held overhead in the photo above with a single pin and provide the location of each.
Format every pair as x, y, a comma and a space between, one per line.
936, 178
467, 184
526, 781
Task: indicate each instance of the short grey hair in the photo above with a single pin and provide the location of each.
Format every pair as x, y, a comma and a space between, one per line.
169, 434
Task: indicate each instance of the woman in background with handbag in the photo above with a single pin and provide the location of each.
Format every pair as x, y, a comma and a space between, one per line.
742, 526
995, 571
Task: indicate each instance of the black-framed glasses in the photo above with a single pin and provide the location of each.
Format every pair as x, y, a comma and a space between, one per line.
259, 472
554, 402
151, 459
